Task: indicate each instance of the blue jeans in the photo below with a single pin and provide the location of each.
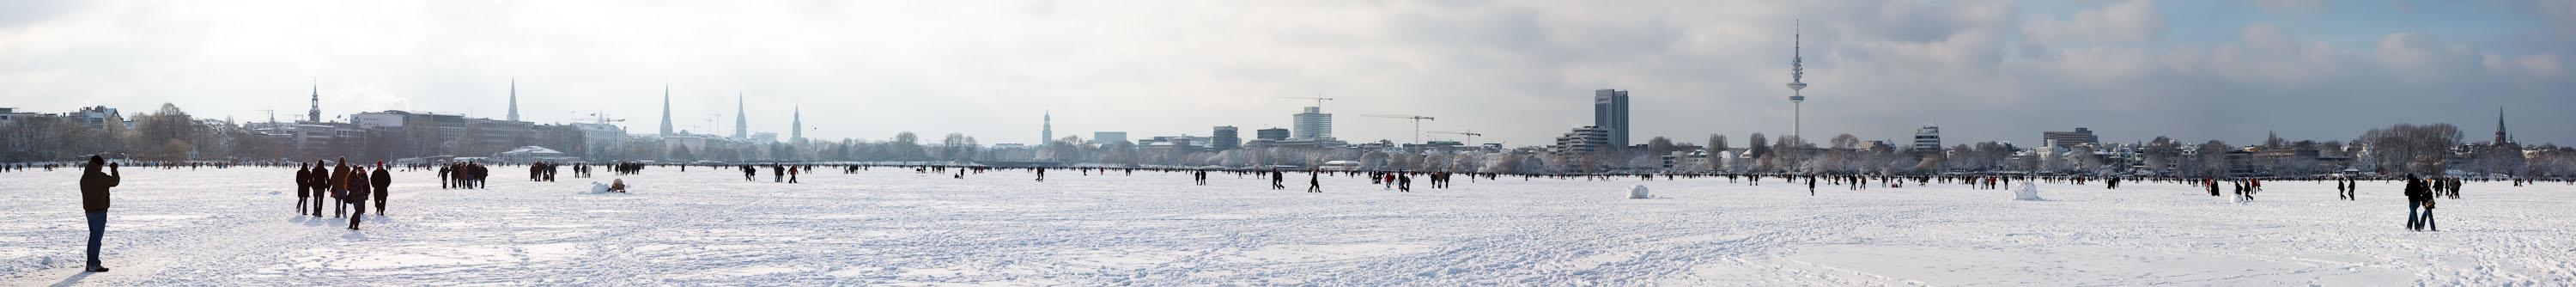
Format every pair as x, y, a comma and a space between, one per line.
97, 229
2414, 221
2428, 221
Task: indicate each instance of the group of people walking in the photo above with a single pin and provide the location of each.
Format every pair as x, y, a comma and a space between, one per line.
465, 175
345, 186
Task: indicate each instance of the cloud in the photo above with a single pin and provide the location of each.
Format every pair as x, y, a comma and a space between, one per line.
2300, 6
2124, 21
1521, 72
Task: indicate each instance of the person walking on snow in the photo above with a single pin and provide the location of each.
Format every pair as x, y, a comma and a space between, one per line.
303, 184
381, 181
94, 186
2417, 191
358, 193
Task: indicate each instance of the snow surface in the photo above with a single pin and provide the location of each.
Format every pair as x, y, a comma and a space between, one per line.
888, 227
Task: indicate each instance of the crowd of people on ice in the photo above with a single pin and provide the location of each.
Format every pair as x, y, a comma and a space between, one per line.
350, 187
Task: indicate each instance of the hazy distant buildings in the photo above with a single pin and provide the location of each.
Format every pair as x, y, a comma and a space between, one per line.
1610, 111
1108, 137
1927, 139
1313, 125
1046, 128
1584, 140
1275, 134
2067, 139
1226, 139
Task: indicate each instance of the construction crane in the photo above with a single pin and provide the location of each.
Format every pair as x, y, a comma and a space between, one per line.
1417, 123
1471, 136
1319, 100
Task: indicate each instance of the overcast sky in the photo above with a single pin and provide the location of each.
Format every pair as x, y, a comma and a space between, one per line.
1519, 72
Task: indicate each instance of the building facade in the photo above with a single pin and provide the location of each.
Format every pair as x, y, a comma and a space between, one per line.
1927, 139
1108, 137
1584, 140
2067, 139
1610, 111
1313, 124
1226, 138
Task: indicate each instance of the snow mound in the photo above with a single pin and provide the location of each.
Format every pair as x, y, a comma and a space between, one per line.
1638, 192
2027, 191
596, 187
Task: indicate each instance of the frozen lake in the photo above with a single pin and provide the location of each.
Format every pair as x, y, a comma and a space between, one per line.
895, 227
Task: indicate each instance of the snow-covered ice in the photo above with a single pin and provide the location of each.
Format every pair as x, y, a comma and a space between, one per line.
888, 227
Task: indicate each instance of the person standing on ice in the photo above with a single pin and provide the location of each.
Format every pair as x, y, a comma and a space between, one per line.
1041, 174
1811, 186
319, 180
357, 197
303, 184
381, 180
791, 175
340, 188
2416, 193
94, 186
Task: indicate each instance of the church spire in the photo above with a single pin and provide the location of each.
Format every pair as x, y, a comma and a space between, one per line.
316, 114
796, 123
514, 99
666, 110
2500, 135
741, 122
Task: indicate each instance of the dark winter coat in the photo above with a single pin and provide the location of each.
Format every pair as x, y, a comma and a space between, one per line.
357, 187
94, 186
2417, 191
381, 180
303, 182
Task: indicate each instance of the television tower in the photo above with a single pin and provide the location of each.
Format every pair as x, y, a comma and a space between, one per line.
1797, 73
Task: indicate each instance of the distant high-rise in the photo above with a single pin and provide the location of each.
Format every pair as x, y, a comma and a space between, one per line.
1928, 138
1275, 134
514, 99
1226, 138
1108, 137
2068, 139
741, 122
796, 125
316, 114
666, 110
1046, 128
1610, 111
1313, 124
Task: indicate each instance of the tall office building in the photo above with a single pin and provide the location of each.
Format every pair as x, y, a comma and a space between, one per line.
1928, 138
2068, 139
1226, 139
1313, 124
1275, 134
1610, 111
1046, 128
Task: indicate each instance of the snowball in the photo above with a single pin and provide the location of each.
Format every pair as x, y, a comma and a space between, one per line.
1638, 192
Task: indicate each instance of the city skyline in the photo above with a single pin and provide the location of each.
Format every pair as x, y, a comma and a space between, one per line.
1994, 71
